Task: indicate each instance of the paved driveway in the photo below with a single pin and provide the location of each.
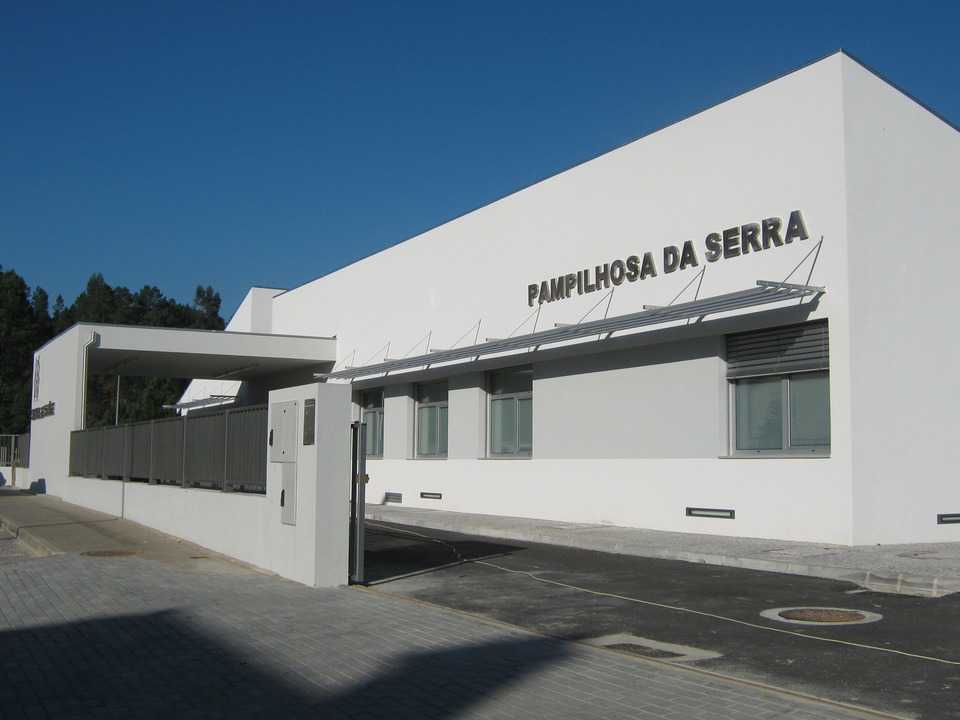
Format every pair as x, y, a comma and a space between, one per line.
905, 663
122, 637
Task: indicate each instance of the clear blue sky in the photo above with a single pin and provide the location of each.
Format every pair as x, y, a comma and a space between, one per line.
267, 143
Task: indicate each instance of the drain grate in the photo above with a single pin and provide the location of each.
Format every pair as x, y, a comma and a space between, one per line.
644, 651
860, 592
650, 648
109, 553
821, 616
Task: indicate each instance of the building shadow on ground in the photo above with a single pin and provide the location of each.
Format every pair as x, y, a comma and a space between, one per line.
161, 665
392, 553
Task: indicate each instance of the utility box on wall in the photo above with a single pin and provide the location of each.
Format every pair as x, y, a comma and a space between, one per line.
283, 450
308, 483
283, 432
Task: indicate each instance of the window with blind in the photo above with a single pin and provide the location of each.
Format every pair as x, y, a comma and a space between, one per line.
780, 379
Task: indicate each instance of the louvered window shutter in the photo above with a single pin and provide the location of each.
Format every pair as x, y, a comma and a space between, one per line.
774, 351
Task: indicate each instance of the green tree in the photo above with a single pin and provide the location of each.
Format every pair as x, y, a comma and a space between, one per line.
207, 303
26, 324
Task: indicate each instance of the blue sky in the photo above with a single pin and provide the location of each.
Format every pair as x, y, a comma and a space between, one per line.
267, 143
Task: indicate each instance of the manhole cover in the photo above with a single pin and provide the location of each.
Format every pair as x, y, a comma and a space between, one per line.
109, 553
828, 615
821, 616
644, 651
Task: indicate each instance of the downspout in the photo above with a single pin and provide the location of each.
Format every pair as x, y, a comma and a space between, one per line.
94, 341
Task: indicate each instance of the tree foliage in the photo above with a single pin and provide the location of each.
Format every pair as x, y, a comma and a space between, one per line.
27, 321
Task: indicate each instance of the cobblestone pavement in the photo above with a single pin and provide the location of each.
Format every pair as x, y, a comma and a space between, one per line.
123, 637
12, 550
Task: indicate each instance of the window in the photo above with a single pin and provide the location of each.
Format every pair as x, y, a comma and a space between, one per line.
781, 390
371, 404
432, 420
511, 413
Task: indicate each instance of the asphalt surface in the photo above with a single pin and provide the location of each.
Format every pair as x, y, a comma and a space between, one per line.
907, 663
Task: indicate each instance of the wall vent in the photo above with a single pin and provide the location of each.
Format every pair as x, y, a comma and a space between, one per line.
392, 497
710, 513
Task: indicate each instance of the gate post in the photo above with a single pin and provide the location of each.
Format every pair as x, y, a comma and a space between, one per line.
357, 499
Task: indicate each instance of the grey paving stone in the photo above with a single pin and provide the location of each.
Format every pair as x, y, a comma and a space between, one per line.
129, 637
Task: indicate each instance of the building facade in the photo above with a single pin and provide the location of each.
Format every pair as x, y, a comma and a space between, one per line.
739, 324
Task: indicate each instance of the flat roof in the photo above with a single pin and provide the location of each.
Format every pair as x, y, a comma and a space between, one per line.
200, 354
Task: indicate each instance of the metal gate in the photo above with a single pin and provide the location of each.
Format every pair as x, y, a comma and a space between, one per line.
357, 499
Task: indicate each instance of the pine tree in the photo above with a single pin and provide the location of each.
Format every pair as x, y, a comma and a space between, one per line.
26, 324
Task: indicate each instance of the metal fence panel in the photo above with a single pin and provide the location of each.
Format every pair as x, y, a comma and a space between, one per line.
167, 449
225, 450
141, 450
22, 450
93, 459
78, 452
246, 449
203, 438
114, 452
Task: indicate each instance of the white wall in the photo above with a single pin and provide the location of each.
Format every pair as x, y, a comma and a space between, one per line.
248, 526
765, 153
785, 503
14, 477
255, 315
635, 436
903, 169
61, 364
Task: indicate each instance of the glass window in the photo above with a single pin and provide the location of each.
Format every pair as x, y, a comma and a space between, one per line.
511, 413
371, 404
432, 420
759, 414
810, 409
783, 413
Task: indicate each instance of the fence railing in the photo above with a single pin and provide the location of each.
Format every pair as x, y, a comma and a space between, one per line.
224, 451
15, 448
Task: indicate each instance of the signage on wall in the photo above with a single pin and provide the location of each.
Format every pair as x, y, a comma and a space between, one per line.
36, 378
39, 413
733, 242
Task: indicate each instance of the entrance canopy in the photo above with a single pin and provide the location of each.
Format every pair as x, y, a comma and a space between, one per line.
764, 293
201, 354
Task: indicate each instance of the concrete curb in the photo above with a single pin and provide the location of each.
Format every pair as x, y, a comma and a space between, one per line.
33, 541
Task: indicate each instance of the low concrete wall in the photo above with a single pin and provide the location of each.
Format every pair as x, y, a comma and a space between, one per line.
311, 548
229, 523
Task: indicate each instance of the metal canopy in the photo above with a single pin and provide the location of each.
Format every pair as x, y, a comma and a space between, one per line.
202, 402
766, 292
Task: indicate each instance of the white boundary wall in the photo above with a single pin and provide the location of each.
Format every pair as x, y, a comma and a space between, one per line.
248, 527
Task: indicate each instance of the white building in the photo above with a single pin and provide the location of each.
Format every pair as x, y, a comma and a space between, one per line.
739, 324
